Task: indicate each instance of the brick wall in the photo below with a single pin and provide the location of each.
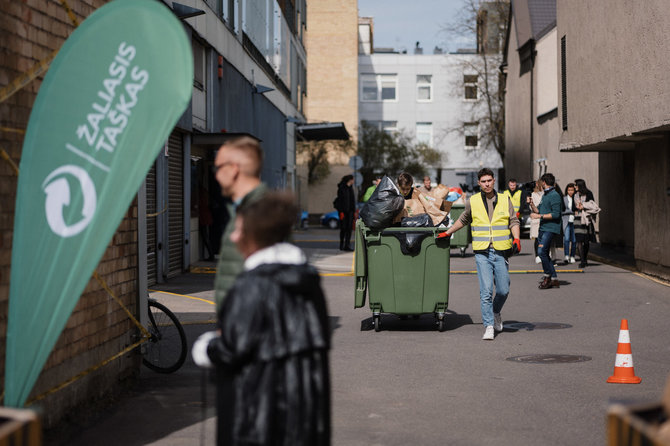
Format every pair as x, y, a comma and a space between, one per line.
331, 42
29, 31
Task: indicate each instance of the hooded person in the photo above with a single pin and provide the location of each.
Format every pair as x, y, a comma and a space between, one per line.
271, 347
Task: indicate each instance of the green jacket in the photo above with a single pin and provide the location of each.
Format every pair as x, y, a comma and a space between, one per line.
230, 260
368, 192
551, 204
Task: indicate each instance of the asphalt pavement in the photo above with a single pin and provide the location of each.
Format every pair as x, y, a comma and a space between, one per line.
541, 381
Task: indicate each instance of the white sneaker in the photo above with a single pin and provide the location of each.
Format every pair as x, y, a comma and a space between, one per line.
567, 259
572, 260
497, 322
538, 259
488, 334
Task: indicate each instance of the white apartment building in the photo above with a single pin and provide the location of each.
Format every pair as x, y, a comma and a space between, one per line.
434, 98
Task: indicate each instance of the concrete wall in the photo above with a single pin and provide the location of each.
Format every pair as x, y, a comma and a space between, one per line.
517, 115
617, 100
617, 68
565, 166
521, 158
619, 207
97, 328
652, 208
331, 42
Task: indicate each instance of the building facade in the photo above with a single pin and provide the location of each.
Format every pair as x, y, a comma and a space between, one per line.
532, 129
98, 327
249, 78
434, 98
332, 57
613, 104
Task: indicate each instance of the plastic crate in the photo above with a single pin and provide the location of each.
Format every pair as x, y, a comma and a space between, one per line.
19, 427
635, 425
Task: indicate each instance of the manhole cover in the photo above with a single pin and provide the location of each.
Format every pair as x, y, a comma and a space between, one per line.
549, 359
530, 326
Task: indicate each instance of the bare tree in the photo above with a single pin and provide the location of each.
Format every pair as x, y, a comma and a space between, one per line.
482, 82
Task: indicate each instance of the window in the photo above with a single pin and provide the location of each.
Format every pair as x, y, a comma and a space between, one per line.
389, 85
471, 131
390, 127
379, 87
424, 88
424, 133
368, 87
470, 82
198, 64
564, 86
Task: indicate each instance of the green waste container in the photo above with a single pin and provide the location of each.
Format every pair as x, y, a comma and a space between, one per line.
405, 271
462, 238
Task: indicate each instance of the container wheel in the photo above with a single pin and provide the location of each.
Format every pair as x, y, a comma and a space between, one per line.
440, 325
377, 321
463, 251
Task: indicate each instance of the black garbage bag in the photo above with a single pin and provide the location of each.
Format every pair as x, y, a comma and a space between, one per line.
410, 242
384, 203
418, 221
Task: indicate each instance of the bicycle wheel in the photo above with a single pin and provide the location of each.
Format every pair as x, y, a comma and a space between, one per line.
166, 350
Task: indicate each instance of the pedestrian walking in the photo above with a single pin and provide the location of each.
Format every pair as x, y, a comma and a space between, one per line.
271, 347
237, 168
585, 217
495, 237
535, 197
569, 240
549, 215
345, 203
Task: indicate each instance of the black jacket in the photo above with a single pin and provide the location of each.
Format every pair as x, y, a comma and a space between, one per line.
272, 359
346, 201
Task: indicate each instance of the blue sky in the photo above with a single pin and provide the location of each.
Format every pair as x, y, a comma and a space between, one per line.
401, 23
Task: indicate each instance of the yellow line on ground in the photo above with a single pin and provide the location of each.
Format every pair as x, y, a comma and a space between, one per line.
349, 274
183, 295
203, 270
653, 279
211, 321
529, 271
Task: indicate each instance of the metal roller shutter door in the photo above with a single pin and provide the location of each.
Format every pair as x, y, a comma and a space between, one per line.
175, 205
151, 226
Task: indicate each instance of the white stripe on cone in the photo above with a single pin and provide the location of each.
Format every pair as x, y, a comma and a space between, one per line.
624, 337
623, 360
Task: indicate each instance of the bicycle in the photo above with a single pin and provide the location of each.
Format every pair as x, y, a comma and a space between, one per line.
165, 351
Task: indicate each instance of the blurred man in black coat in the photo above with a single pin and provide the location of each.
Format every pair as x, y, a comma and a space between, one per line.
271, 349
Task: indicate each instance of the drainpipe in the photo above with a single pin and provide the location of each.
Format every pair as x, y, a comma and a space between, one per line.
532, 114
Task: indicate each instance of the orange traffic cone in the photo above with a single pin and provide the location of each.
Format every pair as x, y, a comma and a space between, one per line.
624, 373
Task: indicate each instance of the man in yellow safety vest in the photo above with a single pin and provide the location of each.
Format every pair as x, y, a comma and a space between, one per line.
495, 237
514, 194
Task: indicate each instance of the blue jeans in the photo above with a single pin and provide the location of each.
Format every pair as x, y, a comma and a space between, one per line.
492, 269
545, 238
569, 240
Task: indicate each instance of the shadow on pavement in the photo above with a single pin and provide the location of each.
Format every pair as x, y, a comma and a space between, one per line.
424, 322
156, 407
187, 283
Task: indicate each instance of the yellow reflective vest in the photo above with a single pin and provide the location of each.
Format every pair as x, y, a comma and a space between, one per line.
515, 197
496, 230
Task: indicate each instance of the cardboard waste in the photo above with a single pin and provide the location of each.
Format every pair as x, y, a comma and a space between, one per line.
420, 203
